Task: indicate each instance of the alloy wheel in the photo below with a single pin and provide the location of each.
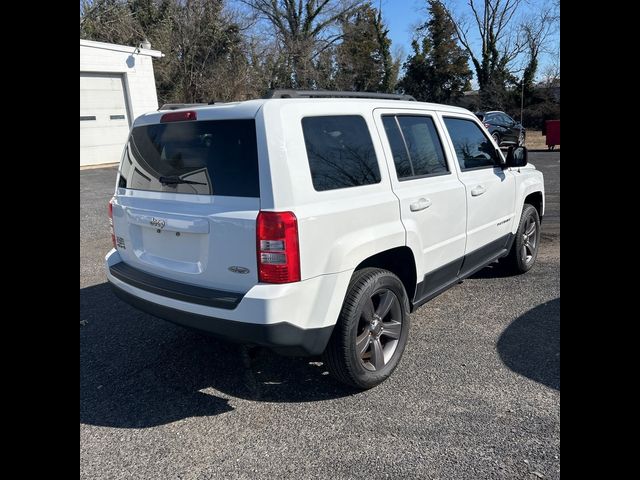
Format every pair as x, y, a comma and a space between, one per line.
529, 240
379, 329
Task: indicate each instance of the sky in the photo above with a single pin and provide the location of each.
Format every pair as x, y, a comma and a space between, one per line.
402, 16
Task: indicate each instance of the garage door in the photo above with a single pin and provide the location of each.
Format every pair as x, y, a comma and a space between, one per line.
104, 120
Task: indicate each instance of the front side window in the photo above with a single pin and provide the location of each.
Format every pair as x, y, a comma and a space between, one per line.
416, 147
472, 146
340, 152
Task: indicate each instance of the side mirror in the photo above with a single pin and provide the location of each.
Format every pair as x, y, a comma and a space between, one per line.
516, 157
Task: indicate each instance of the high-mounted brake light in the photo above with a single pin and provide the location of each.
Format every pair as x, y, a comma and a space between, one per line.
277, 247
113, 234
178, 116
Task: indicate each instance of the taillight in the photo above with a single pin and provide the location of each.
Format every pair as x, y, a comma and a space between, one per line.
178, 116
277, 247
113, 234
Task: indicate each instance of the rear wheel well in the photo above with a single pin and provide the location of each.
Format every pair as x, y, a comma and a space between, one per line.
535, 199
397, 260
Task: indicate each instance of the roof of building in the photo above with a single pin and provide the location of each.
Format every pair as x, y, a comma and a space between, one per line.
121, 48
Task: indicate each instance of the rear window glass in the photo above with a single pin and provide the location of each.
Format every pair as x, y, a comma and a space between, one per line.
216, 157
340, 152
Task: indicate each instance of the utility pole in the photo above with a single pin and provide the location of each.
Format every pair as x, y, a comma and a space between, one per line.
522, 100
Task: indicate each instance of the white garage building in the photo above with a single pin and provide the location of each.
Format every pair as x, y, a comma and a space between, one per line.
116, 86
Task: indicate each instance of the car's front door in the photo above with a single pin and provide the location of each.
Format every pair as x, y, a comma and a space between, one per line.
431, 196
490, 190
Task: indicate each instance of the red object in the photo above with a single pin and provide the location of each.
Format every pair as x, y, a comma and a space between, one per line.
113, 234
277, 247
553, 133
178, 116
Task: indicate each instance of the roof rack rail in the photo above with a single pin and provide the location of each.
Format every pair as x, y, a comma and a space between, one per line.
291, 93
176, 106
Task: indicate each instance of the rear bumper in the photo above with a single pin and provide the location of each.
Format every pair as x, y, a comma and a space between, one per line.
291, 319
284, 338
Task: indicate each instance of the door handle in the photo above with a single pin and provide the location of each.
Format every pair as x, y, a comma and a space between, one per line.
478, 190
421, 204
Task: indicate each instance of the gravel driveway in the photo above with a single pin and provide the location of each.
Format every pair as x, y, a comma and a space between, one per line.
476, 395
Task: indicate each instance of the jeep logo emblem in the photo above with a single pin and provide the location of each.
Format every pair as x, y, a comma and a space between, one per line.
236, 269
158, 222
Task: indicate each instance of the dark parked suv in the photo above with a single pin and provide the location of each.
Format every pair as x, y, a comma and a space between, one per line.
504, 129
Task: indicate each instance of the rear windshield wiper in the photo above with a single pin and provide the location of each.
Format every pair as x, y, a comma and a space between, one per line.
173, 180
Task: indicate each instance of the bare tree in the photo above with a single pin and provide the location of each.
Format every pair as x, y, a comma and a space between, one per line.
536, 29
305, 28
551, 75
109, 21
549, 19
495, 22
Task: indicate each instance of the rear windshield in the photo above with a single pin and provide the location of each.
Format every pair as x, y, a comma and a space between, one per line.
216, 157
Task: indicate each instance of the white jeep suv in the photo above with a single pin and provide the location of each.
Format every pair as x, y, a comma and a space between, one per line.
315, 225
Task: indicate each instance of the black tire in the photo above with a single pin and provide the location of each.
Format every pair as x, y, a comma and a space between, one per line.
358, 320
496, 137
524, 249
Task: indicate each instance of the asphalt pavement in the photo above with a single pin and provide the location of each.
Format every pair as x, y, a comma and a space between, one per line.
476, 395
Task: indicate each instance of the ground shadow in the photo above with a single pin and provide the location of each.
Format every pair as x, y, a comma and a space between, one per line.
494, 270
137, 371
530, 345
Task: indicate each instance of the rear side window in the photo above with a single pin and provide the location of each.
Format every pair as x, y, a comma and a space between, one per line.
340, 152
417, 150
506, 119
473, 148
216, 157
